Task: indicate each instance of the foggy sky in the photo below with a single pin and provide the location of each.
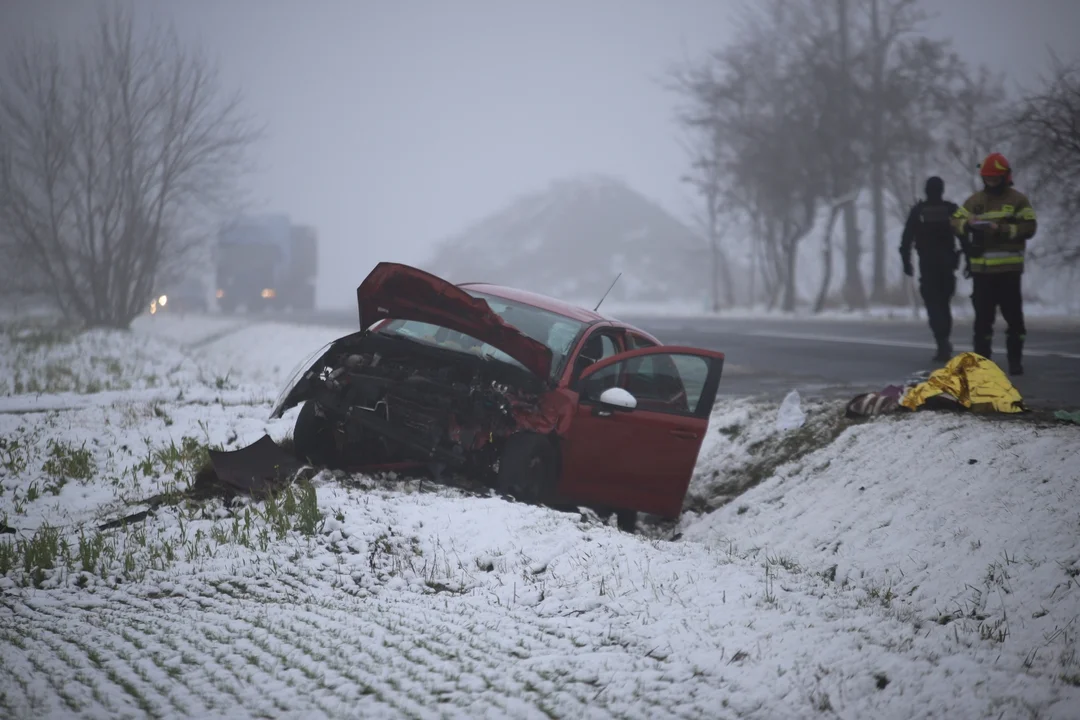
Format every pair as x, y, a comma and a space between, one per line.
393, 124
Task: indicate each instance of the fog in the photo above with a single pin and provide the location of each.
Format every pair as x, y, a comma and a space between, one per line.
392, 125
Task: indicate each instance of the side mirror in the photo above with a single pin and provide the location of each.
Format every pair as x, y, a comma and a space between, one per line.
618, 398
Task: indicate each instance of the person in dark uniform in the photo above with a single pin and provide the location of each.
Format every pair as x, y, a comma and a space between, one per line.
1000, 220
929, 229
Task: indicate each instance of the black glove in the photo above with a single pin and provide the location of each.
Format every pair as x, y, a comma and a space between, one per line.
908, 269
967, 269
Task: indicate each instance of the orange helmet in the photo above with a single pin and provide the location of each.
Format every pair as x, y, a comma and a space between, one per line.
996, 166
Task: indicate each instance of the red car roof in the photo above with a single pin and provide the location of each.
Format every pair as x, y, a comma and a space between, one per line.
536, 300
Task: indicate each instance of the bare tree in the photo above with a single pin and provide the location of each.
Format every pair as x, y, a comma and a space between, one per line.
835, 206
881, 52
722, 287
923, 94
854, 289
841, 94
920, 100
110, 158
760, 128
977, 124
707, 182
890, 20
1050, 123
702, 116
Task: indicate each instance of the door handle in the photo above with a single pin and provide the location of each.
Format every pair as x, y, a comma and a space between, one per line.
685, 434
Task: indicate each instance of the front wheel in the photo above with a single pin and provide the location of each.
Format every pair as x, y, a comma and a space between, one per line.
626, 520
527, 467
313, 438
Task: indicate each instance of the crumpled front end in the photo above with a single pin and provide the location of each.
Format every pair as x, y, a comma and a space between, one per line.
391, 399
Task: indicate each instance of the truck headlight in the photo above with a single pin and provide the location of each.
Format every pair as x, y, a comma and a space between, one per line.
163, 300
269, 293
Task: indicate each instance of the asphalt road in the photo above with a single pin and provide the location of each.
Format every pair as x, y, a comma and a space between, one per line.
844, 358
841, 358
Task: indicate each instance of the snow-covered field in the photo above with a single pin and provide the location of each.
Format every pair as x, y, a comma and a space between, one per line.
915, 566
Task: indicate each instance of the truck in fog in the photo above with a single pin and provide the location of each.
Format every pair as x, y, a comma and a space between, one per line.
264, 262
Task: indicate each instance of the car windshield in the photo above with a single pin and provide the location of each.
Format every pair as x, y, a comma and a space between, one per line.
557, 332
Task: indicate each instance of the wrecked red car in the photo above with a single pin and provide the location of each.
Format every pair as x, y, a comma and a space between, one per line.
545, 401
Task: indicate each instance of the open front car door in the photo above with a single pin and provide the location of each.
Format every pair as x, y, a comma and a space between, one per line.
636, 431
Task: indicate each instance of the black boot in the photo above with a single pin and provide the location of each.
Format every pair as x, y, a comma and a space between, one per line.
944, 351
982, 347
1015, 348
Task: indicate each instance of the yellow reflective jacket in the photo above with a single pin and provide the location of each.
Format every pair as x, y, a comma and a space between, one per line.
976, 383
1001, 250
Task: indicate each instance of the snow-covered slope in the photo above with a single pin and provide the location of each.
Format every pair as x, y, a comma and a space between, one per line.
572, 238
884, 575
965, 527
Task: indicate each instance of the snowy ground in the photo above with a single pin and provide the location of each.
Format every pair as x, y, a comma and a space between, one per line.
916, 566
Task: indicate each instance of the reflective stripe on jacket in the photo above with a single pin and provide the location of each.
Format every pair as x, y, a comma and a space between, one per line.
1001, 250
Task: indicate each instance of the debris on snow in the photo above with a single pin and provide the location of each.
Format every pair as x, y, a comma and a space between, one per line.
790, 415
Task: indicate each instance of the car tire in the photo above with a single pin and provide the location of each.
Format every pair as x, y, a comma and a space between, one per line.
528, 468
626, 520
313, 439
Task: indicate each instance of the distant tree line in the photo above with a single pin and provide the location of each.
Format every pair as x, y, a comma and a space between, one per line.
820, 101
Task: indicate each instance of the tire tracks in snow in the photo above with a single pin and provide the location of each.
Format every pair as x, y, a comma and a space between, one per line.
106, 647
331, 654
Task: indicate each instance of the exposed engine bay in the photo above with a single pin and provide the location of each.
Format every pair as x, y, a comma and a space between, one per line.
389, 398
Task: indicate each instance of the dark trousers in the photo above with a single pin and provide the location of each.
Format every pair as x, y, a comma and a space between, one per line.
990, 292
937, 290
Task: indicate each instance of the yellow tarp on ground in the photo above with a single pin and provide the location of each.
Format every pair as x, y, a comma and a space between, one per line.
976, 383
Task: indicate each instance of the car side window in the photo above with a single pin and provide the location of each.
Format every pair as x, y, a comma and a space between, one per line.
600, 345
668, 383
636, 342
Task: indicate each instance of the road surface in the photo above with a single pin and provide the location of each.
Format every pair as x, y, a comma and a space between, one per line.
848, 357
841, 358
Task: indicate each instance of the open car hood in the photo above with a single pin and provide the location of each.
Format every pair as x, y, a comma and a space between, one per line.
400, 292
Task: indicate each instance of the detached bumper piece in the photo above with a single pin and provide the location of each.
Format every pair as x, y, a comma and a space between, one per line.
257, 470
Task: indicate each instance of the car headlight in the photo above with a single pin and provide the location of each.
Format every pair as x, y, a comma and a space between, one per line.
269, 293
163, 300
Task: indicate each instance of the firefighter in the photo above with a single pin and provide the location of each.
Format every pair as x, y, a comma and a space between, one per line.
1000, 221
928, 228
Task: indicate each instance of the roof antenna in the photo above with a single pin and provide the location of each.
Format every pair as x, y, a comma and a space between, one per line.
608, 290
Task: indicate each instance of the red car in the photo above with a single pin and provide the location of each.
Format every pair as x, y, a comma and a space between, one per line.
546, 401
